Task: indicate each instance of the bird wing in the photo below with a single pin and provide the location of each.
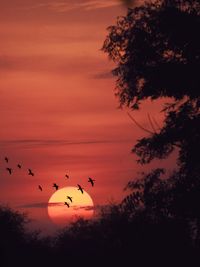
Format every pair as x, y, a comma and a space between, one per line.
9, 170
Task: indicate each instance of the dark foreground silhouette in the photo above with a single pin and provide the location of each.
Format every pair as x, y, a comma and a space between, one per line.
114, 239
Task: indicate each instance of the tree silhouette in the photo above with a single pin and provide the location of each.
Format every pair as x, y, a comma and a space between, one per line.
113, 239
18, 246
156, 48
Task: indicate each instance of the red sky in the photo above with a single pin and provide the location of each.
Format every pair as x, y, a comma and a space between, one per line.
58, 109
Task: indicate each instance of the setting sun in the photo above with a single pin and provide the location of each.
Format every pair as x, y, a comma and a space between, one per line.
80, 205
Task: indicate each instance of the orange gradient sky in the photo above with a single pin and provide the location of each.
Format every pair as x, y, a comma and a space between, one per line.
80, 205
58, 110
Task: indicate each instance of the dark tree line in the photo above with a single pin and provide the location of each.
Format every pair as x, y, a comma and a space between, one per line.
112, 240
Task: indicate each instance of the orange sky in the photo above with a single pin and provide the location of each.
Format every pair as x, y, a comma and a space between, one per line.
58, 109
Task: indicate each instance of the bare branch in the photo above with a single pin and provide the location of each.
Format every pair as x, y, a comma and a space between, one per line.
151, 123
140, 126
156, 123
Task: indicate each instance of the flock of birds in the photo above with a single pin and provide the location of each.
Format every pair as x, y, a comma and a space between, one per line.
31, 173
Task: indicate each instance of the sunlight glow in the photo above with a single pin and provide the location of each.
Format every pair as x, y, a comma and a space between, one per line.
81, 206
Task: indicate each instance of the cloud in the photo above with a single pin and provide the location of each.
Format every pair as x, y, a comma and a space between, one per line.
40, 205
51, 142
33, 205
96, 208
87, 208
90, 5
65, 6
56, 204
56, 64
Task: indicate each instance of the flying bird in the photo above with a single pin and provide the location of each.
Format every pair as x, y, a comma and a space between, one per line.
80, 188
19, 166
67, 204
30, 172
56, 186
6, 159
39, 186
90, 180
9, 170
70, 198
67, 176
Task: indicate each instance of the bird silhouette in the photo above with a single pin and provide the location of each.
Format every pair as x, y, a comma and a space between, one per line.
90, 180
67, 204
39, 186
67, 176
70, 198
30, 172
56, 186
80, 188
9, 170
19, 166
6, 159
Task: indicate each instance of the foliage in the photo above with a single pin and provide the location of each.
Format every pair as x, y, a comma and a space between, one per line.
112, 239
156, 48
17, 246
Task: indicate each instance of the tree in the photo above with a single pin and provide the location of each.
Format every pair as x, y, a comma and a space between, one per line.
17, 245
156, 48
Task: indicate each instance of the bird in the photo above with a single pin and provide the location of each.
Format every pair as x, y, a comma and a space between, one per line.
67, 204
9, 170
70, 198
19, 166
6, 159
56, 186
67, 176
90, 180
80, 188
30, 172
39, 186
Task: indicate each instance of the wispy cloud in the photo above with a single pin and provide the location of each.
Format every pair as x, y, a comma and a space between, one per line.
74, 5
55, 64
87, 5
40, 205
33, 205
74, 207
103, 75
87, 208
51, 142
56, 204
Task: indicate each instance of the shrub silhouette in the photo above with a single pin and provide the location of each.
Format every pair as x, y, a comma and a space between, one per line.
17, 246
114, 238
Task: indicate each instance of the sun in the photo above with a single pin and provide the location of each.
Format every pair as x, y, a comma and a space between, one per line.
81, 206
